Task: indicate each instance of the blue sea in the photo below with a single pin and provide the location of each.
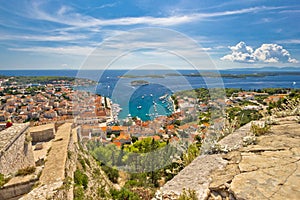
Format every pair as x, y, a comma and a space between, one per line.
150, 100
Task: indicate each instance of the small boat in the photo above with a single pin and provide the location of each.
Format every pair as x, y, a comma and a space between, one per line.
143, 96
163, 97
151, 95
139, 107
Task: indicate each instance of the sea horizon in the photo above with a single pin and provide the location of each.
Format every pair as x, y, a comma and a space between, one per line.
130, 98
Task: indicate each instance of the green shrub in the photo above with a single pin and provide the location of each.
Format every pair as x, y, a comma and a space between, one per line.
67, 183
96, 172
78, 193
111, 173
258, 130
133, 183
101, 192
188, 195
81, 161
87, 161
25, 171
3, 180
191, 153
124, 194
81, 179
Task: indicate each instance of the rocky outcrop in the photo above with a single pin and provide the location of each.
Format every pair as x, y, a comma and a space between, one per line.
235, 140
268, 169
195, 176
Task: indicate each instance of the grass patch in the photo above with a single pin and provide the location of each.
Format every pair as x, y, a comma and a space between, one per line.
258, 130
70, 153
3, 180
188, 195
26, 171
67, 183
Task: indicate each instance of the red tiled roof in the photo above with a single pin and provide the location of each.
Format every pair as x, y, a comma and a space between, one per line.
118, 144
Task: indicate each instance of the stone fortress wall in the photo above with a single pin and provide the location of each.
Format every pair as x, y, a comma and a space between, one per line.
42, 133
15, 149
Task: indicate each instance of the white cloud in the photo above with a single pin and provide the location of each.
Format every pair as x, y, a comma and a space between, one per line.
237, 12
272, 53
266, 53
240, 53
65, 15
68, 50
63, 10
150, 40
289, 41
56, 38
136, 47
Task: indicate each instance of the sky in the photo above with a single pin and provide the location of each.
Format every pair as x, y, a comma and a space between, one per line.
135, 33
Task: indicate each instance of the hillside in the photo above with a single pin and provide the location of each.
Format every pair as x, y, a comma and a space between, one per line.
261, 167
70, 172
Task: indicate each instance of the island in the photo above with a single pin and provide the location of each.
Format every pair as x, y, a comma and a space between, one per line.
142, 76
139, 83
215, 74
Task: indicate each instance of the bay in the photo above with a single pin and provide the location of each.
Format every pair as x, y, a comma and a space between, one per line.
147, 101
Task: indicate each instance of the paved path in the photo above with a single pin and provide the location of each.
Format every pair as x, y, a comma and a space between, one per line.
55, 165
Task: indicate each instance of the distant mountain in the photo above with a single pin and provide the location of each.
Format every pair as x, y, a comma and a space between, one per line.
268, 69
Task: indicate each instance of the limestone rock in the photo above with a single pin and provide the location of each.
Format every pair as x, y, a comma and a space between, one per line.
195, 176
267, 170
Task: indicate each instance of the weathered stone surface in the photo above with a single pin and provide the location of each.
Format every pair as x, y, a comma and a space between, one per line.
262, 183
15, 151
232, 157
8, 135
57, 179
195, 176
53, 174
55, 166
43, 192
235, 140
224, 176
266, 159
268, 170
42, 133
14, 191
